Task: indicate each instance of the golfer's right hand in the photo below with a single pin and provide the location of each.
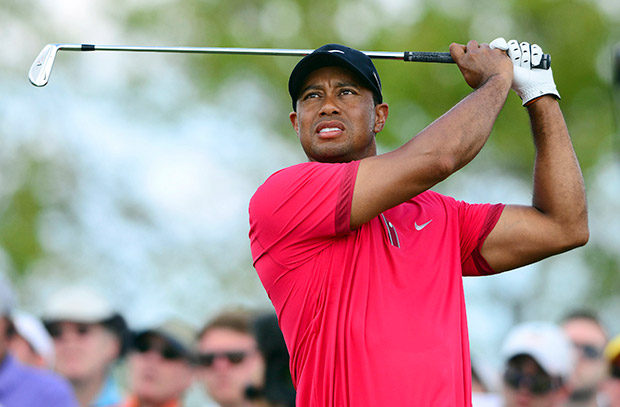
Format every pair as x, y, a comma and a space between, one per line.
479, 62
530, 83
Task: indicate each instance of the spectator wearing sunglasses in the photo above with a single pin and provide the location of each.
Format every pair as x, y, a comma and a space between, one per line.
589, 338
539, 360
21, 385
161, 365
611, 387
89, 338
229, 359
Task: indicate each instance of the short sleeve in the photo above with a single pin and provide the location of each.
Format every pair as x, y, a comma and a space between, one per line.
476, 221
300, 209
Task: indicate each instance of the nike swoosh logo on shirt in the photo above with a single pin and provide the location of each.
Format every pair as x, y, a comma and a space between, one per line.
422, 226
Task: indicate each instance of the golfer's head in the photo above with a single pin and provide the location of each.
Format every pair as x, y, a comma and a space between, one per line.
358, 63
337, 104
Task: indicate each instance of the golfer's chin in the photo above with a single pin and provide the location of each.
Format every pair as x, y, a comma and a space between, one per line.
331, 155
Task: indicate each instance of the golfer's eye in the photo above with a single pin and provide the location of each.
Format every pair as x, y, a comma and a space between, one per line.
347, 92
311, 95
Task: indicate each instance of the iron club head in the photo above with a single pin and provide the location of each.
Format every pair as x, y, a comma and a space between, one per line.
41, 68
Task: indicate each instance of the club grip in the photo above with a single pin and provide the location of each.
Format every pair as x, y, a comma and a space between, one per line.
446, 58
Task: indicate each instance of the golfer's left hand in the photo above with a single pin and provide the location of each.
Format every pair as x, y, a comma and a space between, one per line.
529, 83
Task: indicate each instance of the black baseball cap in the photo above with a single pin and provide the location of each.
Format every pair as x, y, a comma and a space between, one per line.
335, 55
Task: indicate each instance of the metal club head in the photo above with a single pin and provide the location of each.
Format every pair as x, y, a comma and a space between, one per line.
41, 68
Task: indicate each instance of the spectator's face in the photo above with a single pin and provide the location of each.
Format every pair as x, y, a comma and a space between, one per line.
589, 341
612, 391
83, 351
158, 372
230, 362
24, 352
527, 385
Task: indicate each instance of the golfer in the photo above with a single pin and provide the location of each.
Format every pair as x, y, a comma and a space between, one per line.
364, 263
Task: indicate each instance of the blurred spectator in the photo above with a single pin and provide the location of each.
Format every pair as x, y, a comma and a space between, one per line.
161, 365
278, 390
89, 337
589, 338
31, 344
483, 386
611, 388
21, 385
539, 360
229, 359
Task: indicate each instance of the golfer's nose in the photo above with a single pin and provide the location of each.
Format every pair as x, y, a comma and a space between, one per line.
329, 106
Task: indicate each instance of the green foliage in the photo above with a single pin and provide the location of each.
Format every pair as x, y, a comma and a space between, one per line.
18, 228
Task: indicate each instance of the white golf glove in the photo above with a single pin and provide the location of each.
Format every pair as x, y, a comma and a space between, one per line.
529, 83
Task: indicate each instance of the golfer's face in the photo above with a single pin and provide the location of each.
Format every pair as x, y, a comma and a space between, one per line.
336, 119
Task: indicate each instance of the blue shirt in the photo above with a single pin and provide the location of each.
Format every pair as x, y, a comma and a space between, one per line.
109, 394
25, 386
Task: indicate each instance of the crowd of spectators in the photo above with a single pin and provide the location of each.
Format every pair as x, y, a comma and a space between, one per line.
81, 352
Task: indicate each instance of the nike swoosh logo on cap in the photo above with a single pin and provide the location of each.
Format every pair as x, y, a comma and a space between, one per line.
422, 226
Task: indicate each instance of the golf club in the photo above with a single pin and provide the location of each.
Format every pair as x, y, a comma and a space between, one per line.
41, 68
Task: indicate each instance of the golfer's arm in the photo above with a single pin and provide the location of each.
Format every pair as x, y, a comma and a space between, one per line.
557, 221
442, 148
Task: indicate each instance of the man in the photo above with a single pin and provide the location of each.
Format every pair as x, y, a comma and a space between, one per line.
89, 337
611, 387
589, 338
229, 359
31, 344
538, 363
161, 365
363, 264
22, 385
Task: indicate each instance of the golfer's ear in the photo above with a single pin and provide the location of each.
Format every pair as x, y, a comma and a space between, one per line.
293, 117
381, 114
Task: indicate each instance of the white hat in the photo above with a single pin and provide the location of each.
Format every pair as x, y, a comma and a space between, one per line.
546, 343
32, 330
77, 304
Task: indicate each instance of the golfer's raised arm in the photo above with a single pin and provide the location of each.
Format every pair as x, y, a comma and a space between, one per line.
557, 220
442, 148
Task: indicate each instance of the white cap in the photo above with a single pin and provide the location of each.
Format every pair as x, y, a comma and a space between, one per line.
77, 304
546, 343
32, 330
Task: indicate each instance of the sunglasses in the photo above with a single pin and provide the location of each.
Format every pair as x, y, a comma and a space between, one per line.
56, 330
166, 351
538, 384
233, 357
589, 351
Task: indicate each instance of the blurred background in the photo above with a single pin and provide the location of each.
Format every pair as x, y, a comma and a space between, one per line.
132, 172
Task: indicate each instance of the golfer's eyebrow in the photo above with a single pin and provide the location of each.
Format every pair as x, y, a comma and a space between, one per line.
338, 85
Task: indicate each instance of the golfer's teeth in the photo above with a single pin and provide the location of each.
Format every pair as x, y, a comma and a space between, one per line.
329, 129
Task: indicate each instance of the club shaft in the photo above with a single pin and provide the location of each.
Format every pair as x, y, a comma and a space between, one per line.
42, 66
441, 57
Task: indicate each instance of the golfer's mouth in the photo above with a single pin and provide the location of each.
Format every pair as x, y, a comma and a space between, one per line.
329, 129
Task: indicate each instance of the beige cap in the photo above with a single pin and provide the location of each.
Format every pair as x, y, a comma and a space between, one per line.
612, 350
179, 333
